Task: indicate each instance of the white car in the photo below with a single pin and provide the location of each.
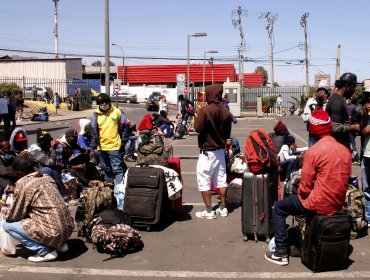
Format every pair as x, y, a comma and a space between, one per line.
42, 92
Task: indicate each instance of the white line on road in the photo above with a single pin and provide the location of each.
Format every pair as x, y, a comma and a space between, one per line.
186, 274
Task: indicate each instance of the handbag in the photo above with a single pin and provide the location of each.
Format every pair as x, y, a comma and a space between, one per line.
7, 242
238, 164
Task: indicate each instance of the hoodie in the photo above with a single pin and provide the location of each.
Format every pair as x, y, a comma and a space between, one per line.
213, 122
12, 139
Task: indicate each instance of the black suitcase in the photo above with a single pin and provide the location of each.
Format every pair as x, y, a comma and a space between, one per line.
146, 197
326, 242
259, 194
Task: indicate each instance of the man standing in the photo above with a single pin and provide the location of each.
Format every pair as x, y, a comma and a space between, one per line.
337, 108
316, 102
326, 169
213, 124
279, 102
106, 138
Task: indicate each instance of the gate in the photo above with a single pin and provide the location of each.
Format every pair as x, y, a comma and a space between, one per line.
288, 94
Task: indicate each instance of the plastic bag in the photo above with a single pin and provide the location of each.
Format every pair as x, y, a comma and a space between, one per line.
7, 242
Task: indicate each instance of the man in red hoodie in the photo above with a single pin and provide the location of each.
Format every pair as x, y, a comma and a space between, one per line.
327, 166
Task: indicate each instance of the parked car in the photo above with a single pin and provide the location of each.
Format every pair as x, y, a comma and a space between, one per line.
42, 93
152, 102
124, 96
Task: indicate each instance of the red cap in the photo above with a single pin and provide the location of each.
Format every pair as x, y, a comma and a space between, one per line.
20, 136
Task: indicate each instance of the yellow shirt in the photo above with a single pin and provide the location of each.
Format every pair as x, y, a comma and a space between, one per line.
109, 138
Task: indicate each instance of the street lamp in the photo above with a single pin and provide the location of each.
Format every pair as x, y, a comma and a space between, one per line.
204, 66
123, 63
211, 62
123, 70
198, 34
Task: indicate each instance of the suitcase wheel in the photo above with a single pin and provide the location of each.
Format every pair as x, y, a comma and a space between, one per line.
255, 237
245, 238
268, 239
148, 229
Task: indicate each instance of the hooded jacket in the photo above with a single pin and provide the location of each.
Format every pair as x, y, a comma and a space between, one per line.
12, 139
213, 122
105, 135
146, 123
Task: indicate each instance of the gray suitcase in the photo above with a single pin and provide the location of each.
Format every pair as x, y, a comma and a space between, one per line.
259, 194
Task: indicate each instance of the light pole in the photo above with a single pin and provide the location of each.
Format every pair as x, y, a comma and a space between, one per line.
123, 63
123, 70
204, 66
198, 34
211, 62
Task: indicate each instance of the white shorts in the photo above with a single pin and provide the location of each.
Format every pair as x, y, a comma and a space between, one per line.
211, 166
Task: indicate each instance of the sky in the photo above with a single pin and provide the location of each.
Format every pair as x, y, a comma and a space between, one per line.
147, 30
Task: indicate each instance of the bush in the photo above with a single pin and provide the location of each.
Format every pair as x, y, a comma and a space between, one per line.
269, 101
9, 88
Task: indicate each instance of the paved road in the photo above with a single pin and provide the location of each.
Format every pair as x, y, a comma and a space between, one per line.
189, 247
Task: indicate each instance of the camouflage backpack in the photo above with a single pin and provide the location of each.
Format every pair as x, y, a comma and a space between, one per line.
154, 154
95, 198
354, 205
117, 240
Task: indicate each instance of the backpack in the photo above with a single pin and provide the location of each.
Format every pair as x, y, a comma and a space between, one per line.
354, 205
94, 199
180, 130
154, 154
260, 152
117, 240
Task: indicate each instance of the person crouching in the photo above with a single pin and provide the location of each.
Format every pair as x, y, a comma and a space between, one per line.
38, 216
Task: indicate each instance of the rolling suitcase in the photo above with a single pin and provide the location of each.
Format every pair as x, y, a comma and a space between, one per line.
259, 192
146, 198
326, 242
175, 164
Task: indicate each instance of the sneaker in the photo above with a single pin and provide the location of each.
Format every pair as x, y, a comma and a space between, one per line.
129, 159
206, 215
356, 162
223, 212
276, 258
63, 249
48, 257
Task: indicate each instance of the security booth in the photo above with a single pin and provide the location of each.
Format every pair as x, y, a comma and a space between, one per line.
232, 89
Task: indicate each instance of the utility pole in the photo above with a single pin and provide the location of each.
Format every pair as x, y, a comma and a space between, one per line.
56, 28
337, 68
270, 20
106, 40
304, 25
237, 23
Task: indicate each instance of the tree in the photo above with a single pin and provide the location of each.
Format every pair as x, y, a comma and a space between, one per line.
261, 69
9, 88
97, 63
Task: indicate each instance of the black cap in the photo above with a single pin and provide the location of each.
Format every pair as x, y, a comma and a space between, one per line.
103, 97
348, 78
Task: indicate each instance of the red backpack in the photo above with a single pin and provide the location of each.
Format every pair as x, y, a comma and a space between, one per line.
260, 152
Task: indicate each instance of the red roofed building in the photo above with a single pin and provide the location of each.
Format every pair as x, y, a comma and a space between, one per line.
253, 79
166, 74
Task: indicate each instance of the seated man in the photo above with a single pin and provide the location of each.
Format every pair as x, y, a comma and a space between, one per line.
38, 217
326, 169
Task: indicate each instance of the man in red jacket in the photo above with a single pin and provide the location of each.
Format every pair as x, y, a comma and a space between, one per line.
327, 166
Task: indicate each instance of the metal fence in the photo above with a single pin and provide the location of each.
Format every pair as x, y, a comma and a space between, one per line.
249, 96
64, 88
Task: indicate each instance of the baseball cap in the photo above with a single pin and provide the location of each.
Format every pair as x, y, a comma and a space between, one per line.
349, 78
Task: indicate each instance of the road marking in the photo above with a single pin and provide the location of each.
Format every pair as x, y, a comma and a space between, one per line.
186, 274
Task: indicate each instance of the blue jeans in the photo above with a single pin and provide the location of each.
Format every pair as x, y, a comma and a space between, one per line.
167, 128
355, 154
290, 205
111, 163
130, 146
365, 178
289, 165
311, 140
16, 230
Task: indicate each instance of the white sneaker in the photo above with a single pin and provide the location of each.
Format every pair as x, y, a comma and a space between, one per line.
223, 212
206, 215
48, 257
